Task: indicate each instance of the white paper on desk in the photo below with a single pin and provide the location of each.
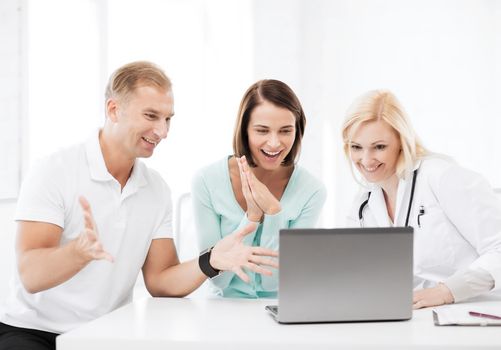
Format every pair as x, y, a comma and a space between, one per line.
458, 315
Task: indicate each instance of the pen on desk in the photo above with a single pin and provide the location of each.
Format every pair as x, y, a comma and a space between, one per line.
482, 315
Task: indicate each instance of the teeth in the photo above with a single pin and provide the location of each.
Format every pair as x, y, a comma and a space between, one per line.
370, 169
149, 140
271, 153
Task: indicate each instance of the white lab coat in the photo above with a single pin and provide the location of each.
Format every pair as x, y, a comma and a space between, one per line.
461, 226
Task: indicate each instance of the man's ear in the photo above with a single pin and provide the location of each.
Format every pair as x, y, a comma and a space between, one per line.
112, 109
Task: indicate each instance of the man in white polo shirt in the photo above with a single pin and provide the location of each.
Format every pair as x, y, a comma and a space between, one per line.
76, 263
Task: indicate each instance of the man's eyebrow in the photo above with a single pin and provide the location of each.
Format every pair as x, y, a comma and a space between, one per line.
154, 111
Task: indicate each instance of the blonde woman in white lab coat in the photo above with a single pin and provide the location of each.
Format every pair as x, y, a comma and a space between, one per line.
454, 211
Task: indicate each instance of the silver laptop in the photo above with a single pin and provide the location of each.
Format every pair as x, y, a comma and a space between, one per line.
345, 275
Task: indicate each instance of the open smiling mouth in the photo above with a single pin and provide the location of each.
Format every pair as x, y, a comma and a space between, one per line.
371, 169
150, 141
272, 155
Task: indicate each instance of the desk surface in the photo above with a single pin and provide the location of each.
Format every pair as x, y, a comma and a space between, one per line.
171, 323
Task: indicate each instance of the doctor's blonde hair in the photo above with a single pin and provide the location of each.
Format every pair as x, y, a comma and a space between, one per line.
383, 105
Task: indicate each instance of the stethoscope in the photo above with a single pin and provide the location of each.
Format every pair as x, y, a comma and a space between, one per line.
421, 209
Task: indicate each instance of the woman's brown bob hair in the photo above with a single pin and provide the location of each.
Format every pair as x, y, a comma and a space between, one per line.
278, 94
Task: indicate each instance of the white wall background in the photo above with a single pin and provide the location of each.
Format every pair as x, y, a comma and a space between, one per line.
12, 120
10, 98
441, 57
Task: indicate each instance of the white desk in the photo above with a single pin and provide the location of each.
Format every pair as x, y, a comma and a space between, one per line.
168, 323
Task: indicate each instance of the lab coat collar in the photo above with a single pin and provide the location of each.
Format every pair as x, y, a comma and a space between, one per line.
377, 207
417, 165
377, 203
403, 196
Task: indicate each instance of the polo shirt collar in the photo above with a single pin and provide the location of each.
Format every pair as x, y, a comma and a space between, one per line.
99, 172
137, 177
97, 167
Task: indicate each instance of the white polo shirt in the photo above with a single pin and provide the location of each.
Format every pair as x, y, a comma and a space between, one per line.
127, 222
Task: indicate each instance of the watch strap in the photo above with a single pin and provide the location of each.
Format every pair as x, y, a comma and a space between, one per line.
204, 263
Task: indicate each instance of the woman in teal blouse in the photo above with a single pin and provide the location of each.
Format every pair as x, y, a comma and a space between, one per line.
261, 183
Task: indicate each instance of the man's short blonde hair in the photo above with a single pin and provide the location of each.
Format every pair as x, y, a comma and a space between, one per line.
126, 79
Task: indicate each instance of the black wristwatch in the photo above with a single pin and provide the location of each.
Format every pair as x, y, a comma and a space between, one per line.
204, 263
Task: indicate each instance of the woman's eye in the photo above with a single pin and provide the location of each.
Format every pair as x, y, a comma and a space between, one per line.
286, 132
150, 116
380, 147
261, 131
355, 147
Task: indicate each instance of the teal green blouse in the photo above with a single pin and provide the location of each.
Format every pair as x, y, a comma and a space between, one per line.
217, 214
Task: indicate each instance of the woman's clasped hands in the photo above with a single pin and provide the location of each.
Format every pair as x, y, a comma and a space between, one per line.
258, 197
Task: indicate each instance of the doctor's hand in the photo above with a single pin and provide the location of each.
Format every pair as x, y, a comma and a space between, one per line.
254, 213
87, 244
435, 296
260, 193
230, 254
